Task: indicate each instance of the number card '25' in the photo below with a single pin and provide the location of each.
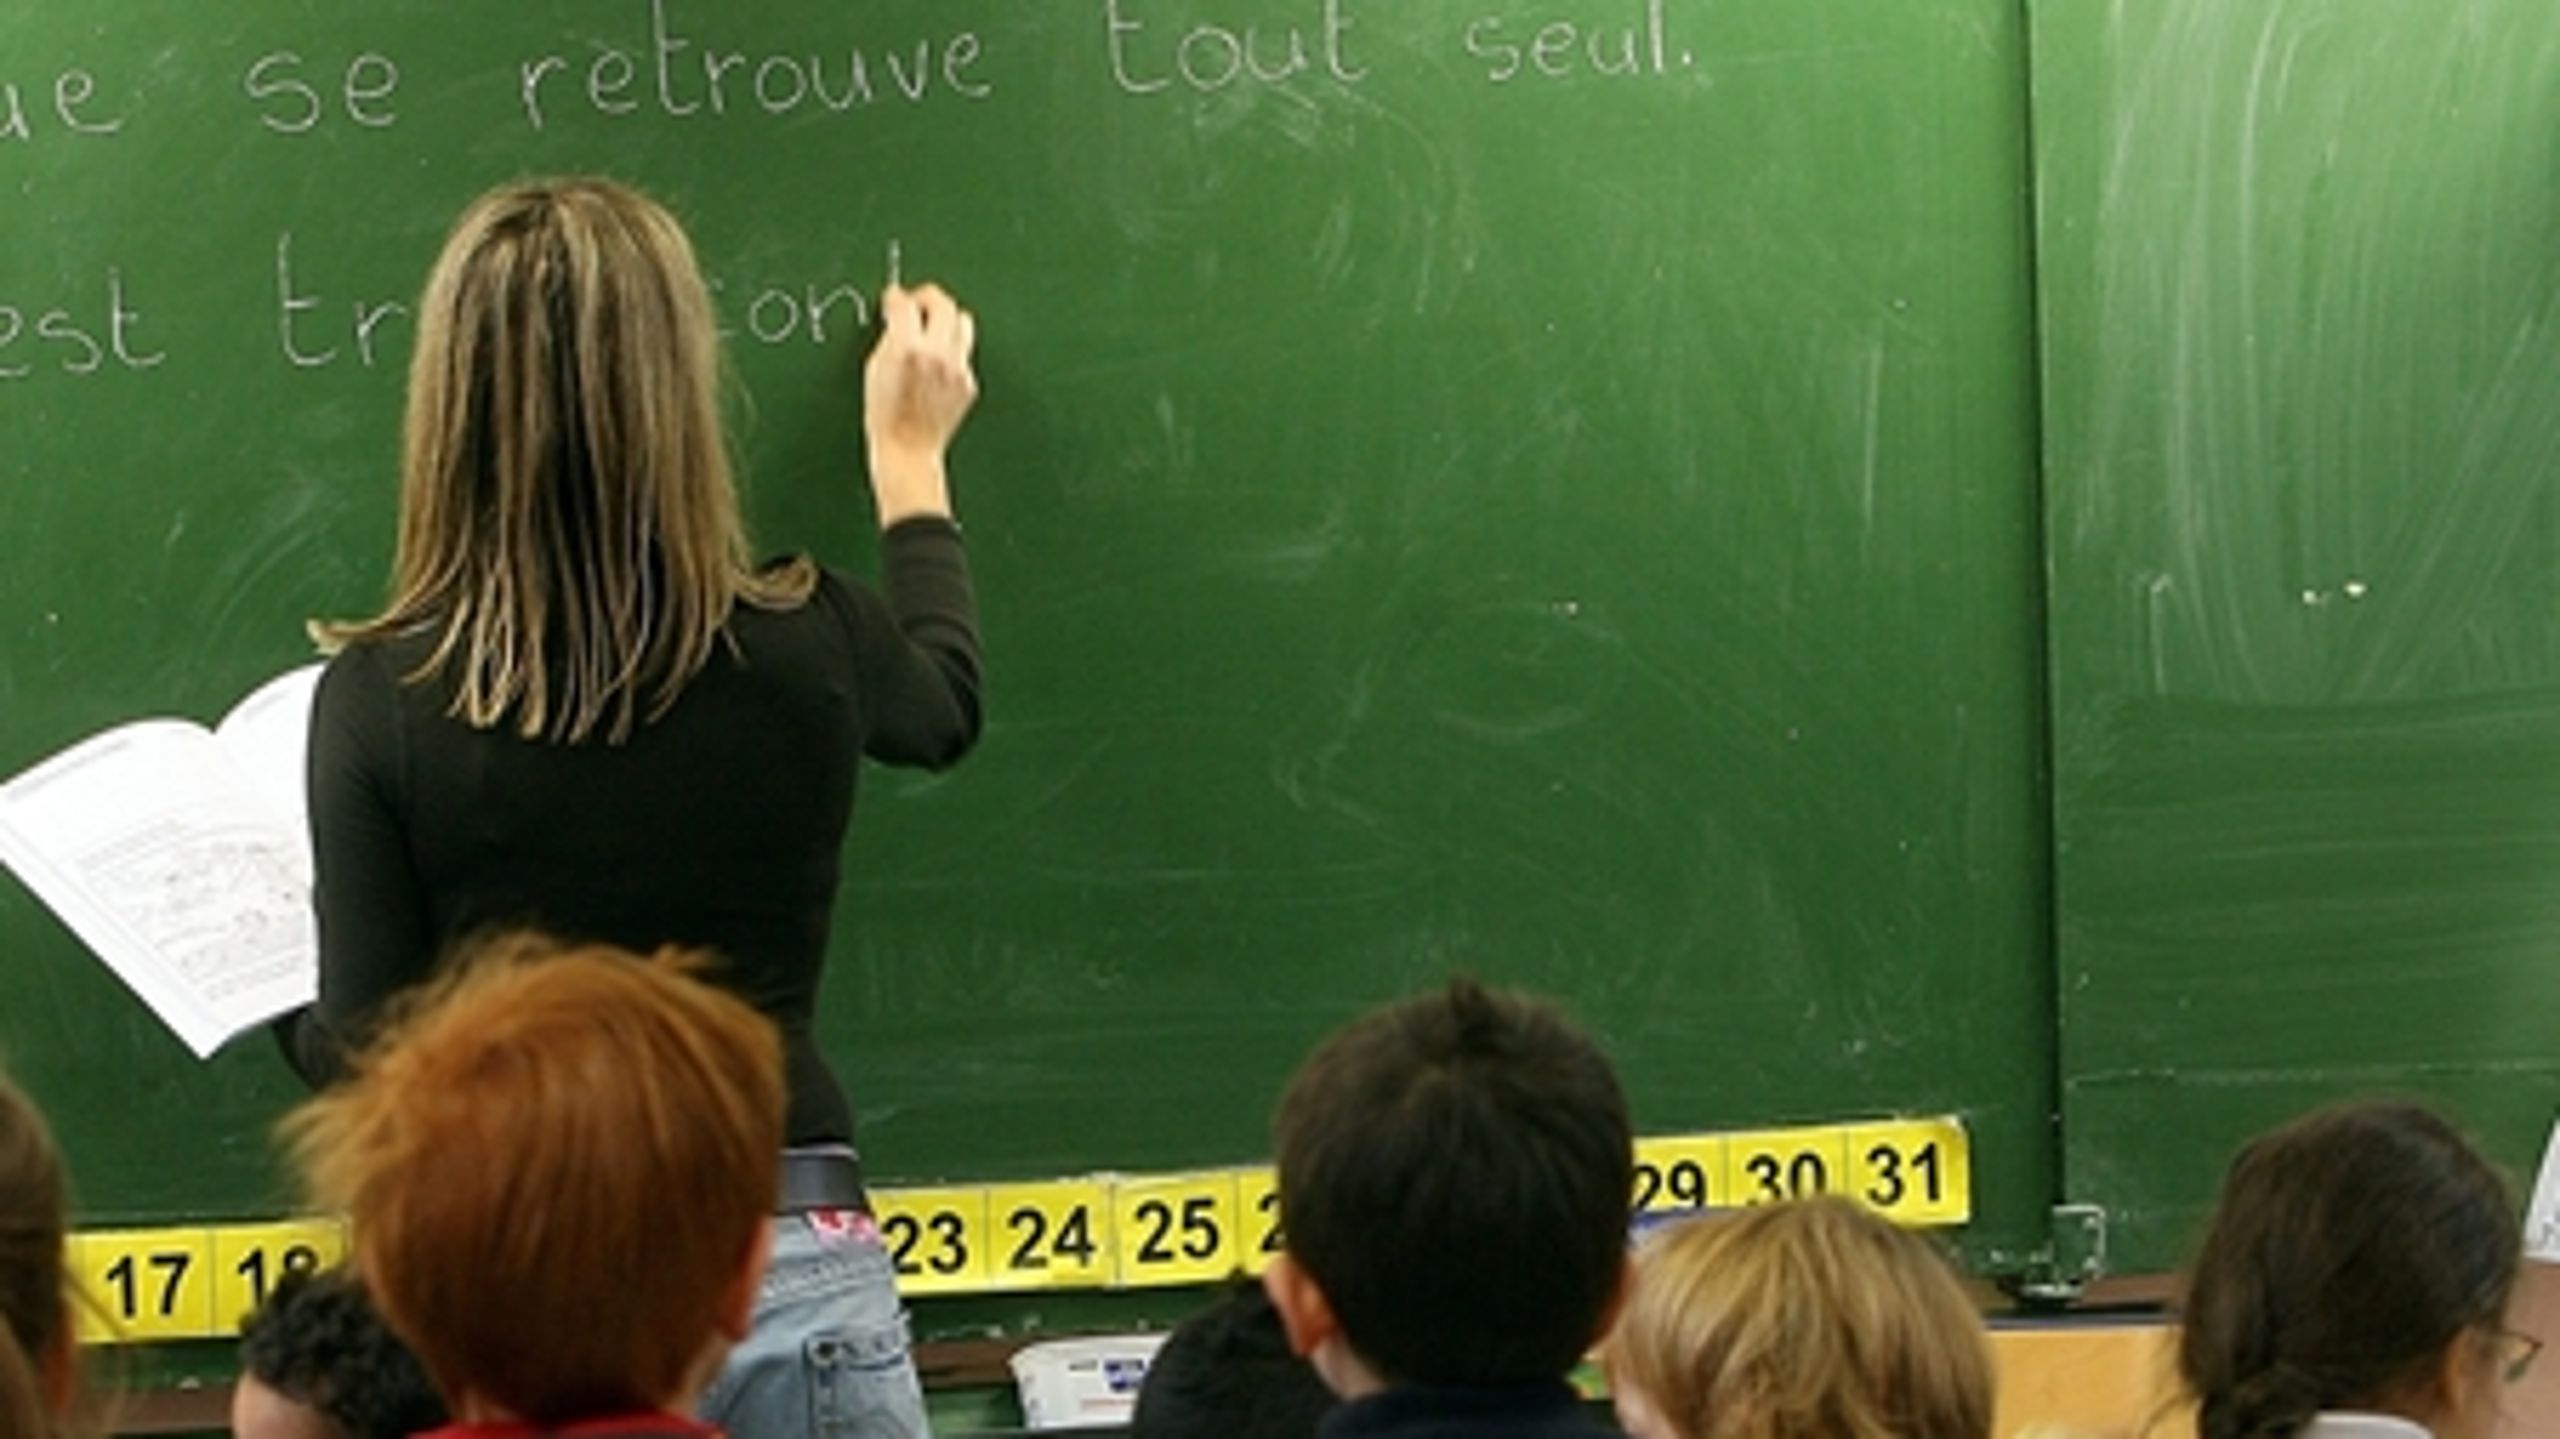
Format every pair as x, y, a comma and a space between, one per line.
1179, 1229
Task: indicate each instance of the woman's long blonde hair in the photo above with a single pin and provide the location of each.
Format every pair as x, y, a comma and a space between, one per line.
1813, 1317
569, 528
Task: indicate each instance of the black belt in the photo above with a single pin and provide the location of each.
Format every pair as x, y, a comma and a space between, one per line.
821, 1179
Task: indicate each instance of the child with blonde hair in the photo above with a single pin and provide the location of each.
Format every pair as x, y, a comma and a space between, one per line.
1809, 1318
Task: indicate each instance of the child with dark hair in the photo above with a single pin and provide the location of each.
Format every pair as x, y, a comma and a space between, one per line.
316, 1362
2354, 1285
1227, 1373
1454, 1182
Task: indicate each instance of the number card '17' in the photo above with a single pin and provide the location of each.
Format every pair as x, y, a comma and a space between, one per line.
146, 1283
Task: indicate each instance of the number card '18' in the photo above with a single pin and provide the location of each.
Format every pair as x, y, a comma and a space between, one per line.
248, 1260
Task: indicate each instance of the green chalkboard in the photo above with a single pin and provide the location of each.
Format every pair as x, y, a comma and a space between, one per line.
1542, 486
2301, 358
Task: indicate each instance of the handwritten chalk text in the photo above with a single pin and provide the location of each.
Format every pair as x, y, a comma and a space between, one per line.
365, 317
810, 313
59, 339
679, 78
1209, 57
1559, 48
75, 91
290, 105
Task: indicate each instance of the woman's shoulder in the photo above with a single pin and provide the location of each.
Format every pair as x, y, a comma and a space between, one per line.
837, 598
375, 661
380, 679
356, 665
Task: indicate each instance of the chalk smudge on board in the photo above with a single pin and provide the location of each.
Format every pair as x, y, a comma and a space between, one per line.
1873, 455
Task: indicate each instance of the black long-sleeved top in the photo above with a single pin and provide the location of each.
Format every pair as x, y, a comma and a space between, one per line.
720, 824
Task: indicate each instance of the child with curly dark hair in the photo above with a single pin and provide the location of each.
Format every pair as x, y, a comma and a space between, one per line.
316, 1362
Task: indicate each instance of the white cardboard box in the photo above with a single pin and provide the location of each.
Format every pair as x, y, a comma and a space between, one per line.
1074, 1383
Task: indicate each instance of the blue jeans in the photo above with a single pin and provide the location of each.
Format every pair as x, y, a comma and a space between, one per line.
827, 1358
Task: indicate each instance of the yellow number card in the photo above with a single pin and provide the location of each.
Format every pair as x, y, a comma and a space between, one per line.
1775, 1164
249, 1259
1258, 1212
937, 1238
149, 1283
1176, 1229
1051, 1235
1917, 1171
1681, 1174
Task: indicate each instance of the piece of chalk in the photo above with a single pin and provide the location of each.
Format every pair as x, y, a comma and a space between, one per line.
894, 281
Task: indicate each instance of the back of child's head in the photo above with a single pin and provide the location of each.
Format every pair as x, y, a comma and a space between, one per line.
316, 1344
2348, 1252
1228, 1373
557, 1166
34, 1210
1814, 1317
1455, 1173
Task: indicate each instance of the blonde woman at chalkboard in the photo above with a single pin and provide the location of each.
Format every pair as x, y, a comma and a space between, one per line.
583, 708
2354, 1285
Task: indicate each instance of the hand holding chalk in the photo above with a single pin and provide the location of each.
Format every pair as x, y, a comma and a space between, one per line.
916, 390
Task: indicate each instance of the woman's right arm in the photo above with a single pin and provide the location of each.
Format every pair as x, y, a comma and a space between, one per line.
916, 389
921, 668
374, 932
